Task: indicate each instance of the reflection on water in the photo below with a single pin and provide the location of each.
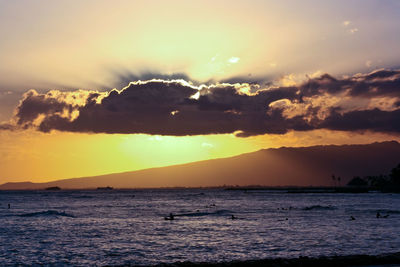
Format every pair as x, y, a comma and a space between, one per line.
128, 226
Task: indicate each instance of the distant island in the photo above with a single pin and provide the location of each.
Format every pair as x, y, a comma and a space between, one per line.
53, 188
105, 188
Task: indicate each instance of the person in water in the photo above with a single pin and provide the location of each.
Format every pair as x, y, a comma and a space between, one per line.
170, 217
233, 217
378, 215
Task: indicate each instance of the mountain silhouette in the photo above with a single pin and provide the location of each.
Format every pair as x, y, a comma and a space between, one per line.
285, 166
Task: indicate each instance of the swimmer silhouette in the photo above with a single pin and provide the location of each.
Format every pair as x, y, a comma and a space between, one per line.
378, 215
170, 217
9, 206
233, 217
352, 218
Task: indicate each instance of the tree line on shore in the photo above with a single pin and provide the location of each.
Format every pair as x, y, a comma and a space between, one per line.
388, 183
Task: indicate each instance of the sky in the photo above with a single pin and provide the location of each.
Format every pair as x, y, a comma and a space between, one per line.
96, 87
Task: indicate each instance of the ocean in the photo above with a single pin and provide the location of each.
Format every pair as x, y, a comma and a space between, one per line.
115, 227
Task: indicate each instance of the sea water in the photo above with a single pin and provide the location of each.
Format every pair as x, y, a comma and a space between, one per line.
117, 227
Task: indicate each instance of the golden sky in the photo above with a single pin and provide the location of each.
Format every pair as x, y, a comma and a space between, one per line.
254, 47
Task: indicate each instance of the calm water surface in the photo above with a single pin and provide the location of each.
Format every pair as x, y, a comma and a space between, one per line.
128, 226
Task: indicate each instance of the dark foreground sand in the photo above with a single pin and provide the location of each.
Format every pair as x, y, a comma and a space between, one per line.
392, 259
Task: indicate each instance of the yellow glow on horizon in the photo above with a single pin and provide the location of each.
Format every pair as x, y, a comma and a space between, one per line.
43, 157
39, 157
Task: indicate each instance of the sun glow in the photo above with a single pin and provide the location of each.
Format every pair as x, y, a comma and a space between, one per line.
41, 157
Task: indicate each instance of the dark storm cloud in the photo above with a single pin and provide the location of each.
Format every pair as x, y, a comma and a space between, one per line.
35, 104
374, 120
377, 83
175, 107
7, 126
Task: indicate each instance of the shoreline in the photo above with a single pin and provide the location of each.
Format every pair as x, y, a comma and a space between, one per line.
388, 259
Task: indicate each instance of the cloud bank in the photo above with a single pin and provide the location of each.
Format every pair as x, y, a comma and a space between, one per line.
176, 107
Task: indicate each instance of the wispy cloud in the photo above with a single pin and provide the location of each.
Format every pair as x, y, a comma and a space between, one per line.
353, 30
346, 23
207, 145
233, 60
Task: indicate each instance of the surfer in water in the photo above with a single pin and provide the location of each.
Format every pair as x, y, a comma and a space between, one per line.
378, 215
170, 217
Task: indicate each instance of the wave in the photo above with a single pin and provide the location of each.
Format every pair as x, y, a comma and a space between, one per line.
387, 211
205, 213
319, 207
194, 194
47, 213
82, 197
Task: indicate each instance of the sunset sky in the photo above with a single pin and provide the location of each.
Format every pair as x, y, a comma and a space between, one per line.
96, 87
